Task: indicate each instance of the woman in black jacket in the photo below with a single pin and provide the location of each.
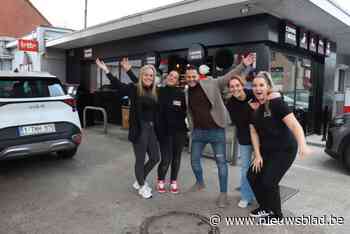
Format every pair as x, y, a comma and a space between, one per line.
143, 121
172, 127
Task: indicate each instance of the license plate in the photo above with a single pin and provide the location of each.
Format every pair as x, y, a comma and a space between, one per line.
36, 129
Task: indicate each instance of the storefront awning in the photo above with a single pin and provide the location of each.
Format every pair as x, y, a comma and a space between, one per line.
321, 16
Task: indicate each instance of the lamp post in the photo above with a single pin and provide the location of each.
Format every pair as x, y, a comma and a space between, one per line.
85, 14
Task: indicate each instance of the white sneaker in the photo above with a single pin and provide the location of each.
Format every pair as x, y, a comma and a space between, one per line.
243, 204
145, 192
136, 186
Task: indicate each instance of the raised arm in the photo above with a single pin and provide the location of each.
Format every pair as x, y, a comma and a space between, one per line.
123, 88
242, 69
298, 132
127, 68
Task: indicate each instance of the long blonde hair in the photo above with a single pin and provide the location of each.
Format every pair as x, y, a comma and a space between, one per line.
268, 78
140, 88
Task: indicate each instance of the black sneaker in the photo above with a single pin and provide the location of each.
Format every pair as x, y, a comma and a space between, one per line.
259, 212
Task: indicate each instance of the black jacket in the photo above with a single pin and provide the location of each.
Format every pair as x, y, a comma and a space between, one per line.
130, 90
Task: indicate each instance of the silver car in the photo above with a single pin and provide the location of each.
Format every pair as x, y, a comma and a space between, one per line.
338, 139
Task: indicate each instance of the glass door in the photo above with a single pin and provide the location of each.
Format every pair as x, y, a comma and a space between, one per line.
292, 77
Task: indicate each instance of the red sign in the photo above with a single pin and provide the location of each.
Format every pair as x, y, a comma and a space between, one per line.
28, 45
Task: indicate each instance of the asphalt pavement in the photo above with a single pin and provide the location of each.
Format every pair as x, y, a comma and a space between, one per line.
92, 193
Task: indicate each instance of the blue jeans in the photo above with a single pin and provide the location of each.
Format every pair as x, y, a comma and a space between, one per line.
217, 139
245, 152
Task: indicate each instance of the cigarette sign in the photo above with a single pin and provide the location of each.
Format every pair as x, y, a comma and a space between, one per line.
28, 45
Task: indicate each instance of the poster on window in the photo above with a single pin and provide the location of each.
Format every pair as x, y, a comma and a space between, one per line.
238, 58
277, 74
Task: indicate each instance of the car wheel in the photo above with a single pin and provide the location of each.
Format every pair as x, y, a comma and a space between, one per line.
67, 153
346, 158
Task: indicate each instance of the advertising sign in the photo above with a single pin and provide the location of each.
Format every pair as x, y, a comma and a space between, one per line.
320, 47
28, 45
303, 39
290, 34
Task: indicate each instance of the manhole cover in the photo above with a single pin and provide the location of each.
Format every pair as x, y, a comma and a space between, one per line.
175, 222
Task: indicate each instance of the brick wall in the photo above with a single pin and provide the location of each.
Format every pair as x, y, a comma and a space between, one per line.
19, 17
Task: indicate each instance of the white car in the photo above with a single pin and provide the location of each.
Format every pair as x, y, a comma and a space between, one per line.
36, 116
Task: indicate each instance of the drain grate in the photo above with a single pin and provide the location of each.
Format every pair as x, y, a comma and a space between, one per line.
177, 222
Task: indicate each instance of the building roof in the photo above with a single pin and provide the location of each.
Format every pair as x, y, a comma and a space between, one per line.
19, 17
320, 16
42, 16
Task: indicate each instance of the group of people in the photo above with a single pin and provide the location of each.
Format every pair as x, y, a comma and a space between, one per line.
160, 117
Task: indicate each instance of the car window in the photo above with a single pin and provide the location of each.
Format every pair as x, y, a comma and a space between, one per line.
30, 88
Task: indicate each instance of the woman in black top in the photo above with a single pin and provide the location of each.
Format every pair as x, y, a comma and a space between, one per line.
276, 135
143, 119
172, 127
240, 112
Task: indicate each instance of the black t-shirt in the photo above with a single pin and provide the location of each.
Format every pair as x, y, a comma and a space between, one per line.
240, 113
273, 132
146, 108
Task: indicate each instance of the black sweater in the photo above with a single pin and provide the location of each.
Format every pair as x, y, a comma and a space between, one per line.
172, 110
137, 104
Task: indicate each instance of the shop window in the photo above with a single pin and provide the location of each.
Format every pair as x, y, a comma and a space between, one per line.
292, 77
341, 81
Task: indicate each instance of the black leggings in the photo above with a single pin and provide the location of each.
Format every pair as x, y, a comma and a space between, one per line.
147, 143
171, 148
265, 183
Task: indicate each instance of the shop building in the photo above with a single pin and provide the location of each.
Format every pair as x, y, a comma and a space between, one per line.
286, 37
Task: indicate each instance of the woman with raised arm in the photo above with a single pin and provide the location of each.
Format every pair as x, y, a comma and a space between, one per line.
172, 127
276, 136
143, 121
240, 111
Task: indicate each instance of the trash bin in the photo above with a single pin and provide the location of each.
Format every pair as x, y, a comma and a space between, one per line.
125, 117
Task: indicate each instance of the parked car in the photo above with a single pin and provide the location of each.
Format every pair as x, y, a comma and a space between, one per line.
338, 139
36, 116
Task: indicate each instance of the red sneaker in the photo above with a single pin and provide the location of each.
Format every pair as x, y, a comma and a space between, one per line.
174, 187
161, 186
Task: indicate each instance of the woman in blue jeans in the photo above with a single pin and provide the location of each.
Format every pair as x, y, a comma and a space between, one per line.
240, 112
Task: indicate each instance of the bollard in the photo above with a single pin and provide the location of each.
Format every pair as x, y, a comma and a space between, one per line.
104, 113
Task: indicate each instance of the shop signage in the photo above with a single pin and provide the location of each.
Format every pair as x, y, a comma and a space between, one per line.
303, 39
28, 45
88, 53
313, 42
196, 54
320, 47
152, 58
328, 48
290, 34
